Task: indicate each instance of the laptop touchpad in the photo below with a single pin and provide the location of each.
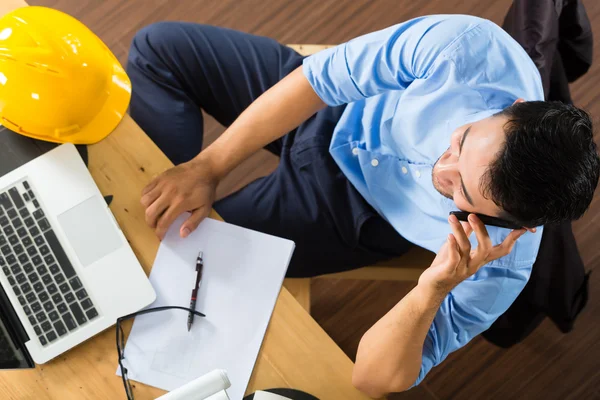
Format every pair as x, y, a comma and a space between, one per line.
90, 230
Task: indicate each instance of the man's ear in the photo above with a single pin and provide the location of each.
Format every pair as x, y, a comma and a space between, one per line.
519, 100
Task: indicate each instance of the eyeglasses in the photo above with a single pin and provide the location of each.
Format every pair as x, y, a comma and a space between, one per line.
121, 340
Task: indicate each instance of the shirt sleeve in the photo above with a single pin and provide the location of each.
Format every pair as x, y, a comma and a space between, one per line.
385, 60
470, 309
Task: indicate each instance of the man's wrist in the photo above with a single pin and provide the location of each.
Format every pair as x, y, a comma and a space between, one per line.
431, 295
211, 164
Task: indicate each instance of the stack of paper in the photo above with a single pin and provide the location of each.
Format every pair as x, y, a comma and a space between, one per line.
243, 273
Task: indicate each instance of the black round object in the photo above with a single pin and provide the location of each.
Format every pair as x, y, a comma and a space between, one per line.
292, 394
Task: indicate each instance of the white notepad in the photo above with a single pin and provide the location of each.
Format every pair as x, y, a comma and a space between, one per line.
243, 273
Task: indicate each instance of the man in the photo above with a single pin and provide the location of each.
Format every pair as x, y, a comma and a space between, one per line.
379, 139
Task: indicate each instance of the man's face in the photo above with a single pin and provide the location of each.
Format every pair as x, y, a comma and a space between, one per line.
458, 171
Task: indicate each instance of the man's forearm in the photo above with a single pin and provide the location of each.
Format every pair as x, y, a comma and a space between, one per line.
390, 353
276, 112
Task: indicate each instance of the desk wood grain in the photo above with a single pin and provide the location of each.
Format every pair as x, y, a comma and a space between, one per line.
295, 353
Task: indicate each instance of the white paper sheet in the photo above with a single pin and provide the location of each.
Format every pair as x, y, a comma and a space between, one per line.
243, 273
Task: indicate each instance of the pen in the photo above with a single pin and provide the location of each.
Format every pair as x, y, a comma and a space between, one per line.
199, 266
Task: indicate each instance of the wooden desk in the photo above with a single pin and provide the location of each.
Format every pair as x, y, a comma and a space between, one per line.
295, 353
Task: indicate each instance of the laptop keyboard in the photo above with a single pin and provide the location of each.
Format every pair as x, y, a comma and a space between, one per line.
38, 269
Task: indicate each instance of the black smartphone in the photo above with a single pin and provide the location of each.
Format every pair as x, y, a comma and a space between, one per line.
486, 219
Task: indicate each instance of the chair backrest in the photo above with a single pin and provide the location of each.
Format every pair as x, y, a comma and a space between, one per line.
308, 49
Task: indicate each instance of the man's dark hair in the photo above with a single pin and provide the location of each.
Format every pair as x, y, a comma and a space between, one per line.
549, 167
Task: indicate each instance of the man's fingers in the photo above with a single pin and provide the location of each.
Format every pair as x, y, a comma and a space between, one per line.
484, 243
155, 210
467, 228
507, 245
167, 218
193, 221
149, 187
459, 235
149, 198
453, 251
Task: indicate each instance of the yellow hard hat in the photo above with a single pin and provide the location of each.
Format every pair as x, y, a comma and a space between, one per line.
58, 81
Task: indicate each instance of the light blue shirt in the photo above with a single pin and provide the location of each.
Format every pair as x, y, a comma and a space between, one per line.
408, 87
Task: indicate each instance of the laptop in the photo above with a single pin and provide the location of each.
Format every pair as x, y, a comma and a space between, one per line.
67, 271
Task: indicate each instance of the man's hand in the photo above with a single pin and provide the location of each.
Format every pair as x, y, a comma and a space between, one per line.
187, 187
456, 261
390, 355
191, 186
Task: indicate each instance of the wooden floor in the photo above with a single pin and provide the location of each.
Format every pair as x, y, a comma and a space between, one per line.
548, 365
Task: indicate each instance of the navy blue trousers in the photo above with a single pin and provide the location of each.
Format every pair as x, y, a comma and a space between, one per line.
178, 69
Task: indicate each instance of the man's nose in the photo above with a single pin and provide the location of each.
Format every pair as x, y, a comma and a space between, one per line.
448, 163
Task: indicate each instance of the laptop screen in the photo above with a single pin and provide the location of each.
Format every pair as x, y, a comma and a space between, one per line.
11, 355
